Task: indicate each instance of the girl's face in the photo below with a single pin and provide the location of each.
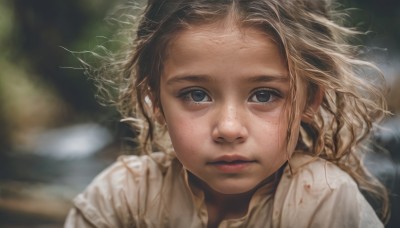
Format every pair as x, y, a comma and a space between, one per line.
224, 96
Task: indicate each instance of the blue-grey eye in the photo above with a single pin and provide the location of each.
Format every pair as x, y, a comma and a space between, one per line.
264, 95
198, 96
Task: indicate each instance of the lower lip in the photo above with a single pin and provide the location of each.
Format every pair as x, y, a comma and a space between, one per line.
233, 167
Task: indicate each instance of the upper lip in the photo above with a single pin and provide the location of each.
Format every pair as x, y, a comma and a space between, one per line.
230, 158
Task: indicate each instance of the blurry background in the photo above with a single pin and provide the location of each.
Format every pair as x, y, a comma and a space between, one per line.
54, 137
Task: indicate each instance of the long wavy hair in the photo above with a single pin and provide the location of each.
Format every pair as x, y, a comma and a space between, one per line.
315, 44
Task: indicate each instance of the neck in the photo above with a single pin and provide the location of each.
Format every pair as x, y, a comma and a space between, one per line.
226, 206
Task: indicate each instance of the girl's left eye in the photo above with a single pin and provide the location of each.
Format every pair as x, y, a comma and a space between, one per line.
264, 96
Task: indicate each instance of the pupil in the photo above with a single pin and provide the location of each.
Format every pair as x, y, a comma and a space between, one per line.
198, 95
263, 96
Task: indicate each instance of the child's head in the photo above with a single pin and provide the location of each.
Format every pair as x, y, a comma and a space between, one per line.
310, 43
323, 87
223, 95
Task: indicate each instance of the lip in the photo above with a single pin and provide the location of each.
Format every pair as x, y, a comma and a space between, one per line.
231, 163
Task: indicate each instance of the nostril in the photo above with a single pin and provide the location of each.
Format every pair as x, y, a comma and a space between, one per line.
222, 139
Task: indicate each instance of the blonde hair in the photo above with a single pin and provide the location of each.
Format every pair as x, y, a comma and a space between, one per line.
316, 47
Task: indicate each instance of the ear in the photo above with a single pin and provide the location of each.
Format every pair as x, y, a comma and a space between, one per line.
155, 107
158, 112
159, 115
313, 105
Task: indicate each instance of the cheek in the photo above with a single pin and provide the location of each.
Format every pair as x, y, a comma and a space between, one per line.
184, 134
187, 142
178, 129
272, 134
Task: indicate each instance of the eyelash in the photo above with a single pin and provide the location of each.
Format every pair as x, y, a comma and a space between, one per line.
187, 95
272, 93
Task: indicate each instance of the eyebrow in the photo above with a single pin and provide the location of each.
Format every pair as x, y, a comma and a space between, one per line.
189, 78
269, 78
206, 78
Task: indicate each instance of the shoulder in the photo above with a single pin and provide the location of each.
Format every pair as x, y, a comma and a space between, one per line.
316, 174
131, 167
124, 187
128, 172
315, 193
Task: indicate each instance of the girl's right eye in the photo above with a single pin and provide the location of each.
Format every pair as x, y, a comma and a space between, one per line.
195, 95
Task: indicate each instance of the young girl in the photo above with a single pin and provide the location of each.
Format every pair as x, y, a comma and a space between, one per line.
259, 109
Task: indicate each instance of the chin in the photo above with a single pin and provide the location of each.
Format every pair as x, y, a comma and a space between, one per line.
231, 190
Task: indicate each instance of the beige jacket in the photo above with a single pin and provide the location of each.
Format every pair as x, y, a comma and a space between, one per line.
138, 192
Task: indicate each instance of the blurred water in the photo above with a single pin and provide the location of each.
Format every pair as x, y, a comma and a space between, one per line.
72, 142
36, 187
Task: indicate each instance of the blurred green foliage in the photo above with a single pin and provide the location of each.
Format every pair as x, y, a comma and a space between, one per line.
38, 87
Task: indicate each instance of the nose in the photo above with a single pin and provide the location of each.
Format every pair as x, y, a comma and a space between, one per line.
229, 126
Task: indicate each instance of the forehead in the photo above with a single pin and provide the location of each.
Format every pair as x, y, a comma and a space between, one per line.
221, 49
222, 34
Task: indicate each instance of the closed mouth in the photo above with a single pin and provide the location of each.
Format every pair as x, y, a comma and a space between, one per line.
231, 166
234, 162
230, 159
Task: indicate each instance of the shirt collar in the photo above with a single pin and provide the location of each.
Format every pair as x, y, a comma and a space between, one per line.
266, 189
